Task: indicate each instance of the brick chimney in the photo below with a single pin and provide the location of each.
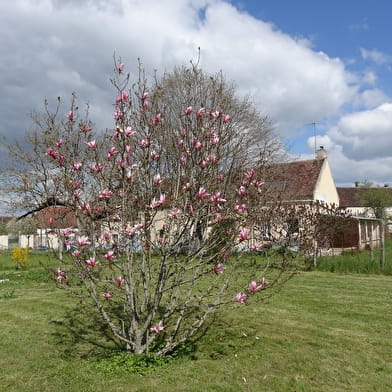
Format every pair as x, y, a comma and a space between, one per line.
321, 153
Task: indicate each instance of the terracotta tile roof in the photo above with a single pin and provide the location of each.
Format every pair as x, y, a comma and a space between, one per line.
55, 218
349, 196
296, 180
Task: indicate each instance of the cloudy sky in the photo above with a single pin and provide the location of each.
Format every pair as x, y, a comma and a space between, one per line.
303, 62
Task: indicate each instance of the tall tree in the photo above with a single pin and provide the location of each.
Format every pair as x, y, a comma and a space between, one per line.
155, 193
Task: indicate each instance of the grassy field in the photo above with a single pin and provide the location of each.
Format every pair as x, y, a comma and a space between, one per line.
323, 332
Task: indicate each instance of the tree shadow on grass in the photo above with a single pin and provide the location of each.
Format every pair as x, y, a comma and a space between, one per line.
81, 333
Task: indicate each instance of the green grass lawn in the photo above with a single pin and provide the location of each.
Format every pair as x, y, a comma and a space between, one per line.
322, 332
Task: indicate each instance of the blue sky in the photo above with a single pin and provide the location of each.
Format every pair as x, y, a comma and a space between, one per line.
328, 62
357, 32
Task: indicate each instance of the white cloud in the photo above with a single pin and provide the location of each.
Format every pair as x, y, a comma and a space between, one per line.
50, 48
73, 43
376, 56
359, 146
370, 98
369, 78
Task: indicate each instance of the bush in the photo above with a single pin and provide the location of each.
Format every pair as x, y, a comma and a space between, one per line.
20, 256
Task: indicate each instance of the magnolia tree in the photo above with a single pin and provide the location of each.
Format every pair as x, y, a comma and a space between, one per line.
167, 203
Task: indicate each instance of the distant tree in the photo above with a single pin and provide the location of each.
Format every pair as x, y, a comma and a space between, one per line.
26, 226
3, 228
375, 199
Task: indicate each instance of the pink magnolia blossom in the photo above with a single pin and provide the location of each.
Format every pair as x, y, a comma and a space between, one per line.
77, 166
109, 255
50, 221
226, 118
156, 203
219, 268
85, 128
105, 194
198, 146
51, 153
258, 184
215, 114
255, 247
118, 114
216, 198
242, 191
76, 184
68, 243
157, 119
85, 207
96, 168
241, 298
145, 143
200, 112
215, 140
84, 240
249, 174
254, 287
76, 253
66, 232
182, 160
263, 282
158, 327
203, 164
244, 234
106, 236
175, 213
107, 296
59, 142
212, 158
240, 208
145, 95
61, 160
218, 218
60, 276
157, 179
70, 115
188, 110
146, 105
124, 96
129, 131
121, 67
91, 144
91, 262
59, 272
183, 132
154, 155
112, 152
119, 281
203, 193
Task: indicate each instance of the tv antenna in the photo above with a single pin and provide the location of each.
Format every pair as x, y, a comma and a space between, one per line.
314, 135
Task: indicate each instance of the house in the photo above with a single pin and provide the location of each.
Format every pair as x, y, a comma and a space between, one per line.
304, 181
299, 183
370, 228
